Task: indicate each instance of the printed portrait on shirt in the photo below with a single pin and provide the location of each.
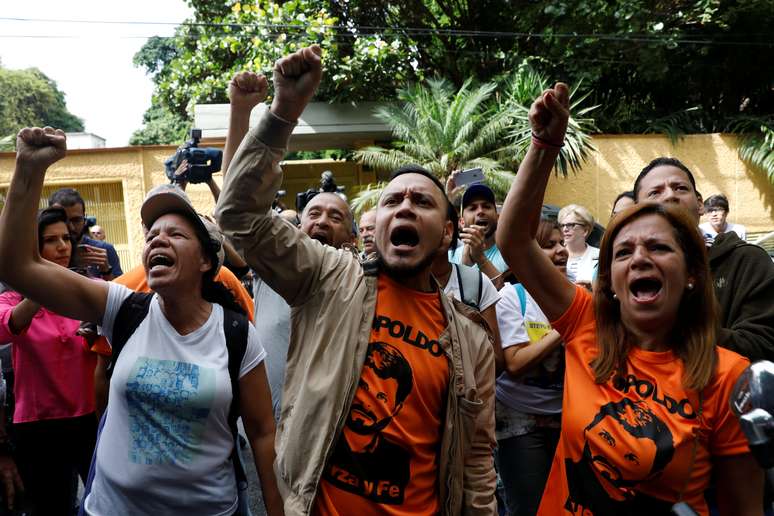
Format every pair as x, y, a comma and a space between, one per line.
624, 445
365, 462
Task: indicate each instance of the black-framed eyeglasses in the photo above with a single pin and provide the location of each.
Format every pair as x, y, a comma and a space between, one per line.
571, 225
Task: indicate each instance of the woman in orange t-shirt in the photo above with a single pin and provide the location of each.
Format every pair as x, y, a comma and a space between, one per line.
645, 414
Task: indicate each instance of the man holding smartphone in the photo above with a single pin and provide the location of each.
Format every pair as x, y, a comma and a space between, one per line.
479, 224
98, 258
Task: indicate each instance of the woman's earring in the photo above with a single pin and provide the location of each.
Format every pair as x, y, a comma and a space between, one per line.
615, 296
690, 286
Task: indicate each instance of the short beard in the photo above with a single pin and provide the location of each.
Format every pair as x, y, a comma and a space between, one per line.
404, 271
490, 230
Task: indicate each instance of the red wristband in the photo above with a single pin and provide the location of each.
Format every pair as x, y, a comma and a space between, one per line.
542, 143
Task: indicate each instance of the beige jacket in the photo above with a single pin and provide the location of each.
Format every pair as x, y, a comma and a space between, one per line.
332, 298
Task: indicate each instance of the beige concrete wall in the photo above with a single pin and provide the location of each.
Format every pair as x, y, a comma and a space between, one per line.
711, 157
139, 169
611, 170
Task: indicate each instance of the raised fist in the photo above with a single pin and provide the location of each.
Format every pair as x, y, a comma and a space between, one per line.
247, 89
40, 148
549, 114
296, 78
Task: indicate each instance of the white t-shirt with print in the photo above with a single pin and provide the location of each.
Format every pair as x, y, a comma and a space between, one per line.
165, 445
489, 295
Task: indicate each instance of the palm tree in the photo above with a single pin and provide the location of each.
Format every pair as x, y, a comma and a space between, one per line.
473, 127
520, 90
443, 130
756, 141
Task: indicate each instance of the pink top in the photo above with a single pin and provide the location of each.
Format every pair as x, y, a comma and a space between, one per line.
53, 368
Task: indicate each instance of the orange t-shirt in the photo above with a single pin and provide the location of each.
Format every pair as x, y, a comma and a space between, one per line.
136, 280
386, 458
630, 440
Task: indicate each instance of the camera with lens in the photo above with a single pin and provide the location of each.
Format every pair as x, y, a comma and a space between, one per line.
327, 184
202, 161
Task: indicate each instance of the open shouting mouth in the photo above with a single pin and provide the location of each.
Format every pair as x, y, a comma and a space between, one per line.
646, 290
404, 238
159, 262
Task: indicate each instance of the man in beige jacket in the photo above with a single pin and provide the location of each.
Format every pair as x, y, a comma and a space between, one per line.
388, 404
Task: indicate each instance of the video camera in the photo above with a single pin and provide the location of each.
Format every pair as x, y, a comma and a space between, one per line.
327, 184
202, 161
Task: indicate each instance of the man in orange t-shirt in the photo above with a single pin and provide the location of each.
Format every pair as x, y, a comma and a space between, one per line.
136, 280
399, 400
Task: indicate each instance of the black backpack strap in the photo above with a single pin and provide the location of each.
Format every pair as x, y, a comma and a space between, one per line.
480, 289
133, 311
236, 328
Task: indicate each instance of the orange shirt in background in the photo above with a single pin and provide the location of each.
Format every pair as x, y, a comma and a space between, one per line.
136, 280
631, 440
386, 458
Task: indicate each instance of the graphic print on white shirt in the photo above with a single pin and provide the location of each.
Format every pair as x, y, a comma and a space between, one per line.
166, 433
167, 394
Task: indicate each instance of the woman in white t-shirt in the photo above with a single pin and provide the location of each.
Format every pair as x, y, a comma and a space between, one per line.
576, 223
529, 391
166, 443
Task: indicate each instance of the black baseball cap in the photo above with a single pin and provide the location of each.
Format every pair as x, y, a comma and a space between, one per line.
475, 191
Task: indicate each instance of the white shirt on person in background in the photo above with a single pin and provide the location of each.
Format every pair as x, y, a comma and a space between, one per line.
581, 268
492, 254
538, 390
489, 295
165, 445
709, 232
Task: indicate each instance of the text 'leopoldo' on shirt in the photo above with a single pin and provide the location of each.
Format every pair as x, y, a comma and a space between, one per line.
639, 442
385, 460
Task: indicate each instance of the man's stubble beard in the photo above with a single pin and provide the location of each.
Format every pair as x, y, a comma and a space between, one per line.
490, 230
407, 272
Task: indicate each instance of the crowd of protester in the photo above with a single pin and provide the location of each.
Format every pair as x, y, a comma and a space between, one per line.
443, 354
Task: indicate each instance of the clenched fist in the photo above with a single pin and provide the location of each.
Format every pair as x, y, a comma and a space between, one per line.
247, 89
40, 148
296, 78
549, 114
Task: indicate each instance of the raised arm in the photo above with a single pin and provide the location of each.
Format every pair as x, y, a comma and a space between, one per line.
520, 215
60, 290
245, 91
286, 259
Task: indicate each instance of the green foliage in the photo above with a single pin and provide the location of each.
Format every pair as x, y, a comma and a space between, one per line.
30, 98
444, 129
674, 125
161, 127
366, 198
196, 65
670, 66
756, 142
643, 59
336, 154
7, 143
520, 90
